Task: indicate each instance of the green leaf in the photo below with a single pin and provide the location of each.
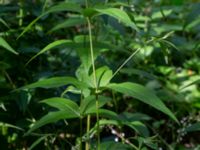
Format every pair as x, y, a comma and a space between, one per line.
131, 71
108, 114
89, 104
139, 127
111, 145
143, 94
50, 46
63, 105
57, 8
191, 83
69, 23
4, 23
127, 116
194, 127
193, 24
66, 6
119, 15
38, 141
10, 126
50, 118
55, 82
5, 45
103, 75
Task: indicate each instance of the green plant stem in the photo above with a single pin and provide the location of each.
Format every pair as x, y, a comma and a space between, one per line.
98, 125
94, 81
87, 146
81, 130
81, 123
21, 12
126, 61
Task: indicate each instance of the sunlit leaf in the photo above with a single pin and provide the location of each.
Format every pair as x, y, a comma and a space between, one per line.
190, 84
103, 75
5, 45
143, 94
119, 15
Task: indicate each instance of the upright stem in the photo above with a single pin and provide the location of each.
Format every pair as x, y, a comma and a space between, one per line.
81, 124
21, 12
94, 81
88, 129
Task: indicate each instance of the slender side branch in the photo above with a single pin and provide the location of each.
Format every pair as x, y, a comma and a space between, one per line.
126, 61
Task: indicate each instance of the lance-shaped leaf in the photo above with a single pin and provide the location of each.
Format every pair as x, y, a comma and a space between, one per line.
143, 94
63, 104
55, 82
119, 15
57, 8
50, 46
5, 45
197, 81
69, 23
112, 145
193, 127
52, 117
39, 140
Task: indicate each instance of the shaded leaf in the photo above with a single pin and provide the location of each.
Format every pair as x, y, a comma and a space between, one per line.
194, 127
54, 82
10, 126
111, 145
89, 104
57, 8
50, 46
139, 127
108, 114
69, 23
37, 142
50, 118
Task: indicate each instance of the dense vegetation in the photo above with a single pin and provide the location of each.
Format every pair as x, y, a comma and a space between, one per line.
94, 74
